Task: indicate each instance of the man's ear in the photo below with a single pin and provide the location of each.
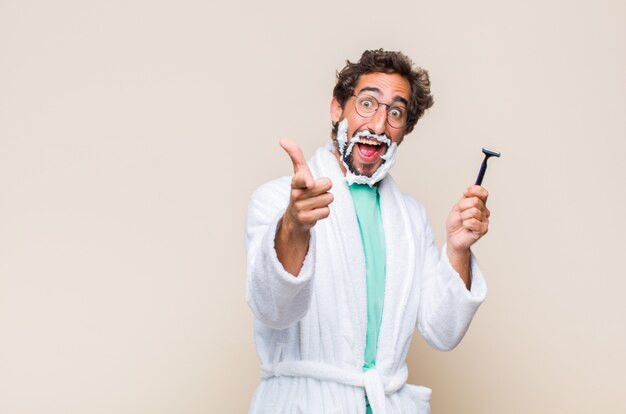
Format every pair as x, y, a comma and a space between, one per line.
335, 110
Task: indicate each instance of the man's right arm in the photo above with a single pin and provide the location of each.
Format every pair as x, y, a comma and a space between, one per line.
280, 244
308, 202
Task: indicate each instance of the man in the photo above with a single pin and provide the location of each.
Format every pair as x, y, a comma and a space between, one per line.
343, 267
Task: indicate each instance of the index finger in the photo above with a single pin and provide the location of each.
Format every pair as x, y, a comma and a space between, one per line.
300, 166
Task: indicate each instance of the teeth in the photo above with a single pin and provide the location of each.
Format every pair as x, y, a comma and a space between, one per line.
369, 141
366, 137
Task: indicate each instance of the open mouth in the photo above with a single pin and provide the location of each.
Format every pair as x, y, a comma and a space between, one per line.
370, 149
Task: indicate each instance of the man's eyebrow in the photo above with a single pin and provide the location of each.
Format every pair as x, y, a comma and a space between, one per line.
377, 91
401, 99
370, 89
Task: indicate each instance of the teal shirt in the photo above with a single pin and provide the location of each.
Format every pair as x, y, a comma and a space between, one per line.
367, 206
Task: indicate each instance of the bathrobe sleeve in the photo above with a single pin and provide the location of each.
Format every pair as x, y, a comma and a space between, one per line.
276, 297
446, 306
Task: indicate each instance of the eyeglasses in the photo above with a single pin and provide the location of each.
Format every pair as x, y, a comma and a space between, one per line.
366, 106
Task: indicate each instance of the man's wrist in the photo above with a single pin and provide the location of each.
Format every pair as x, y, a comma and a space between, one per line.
290, 233
291, 246
460, 261
458, 254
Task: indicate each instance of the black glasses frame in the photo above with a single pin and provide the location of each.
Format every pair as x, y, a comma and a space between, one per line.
378, 104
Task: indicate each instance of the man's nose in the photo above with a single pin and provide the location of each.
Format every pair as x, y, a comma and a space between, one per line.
378, 121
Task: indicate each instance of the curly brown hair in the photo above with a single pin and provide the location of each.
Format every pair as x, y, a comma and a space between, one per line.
386, 62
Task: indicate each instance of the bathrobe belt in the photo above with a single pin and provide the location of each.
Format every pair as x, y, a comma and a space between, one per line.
376, 385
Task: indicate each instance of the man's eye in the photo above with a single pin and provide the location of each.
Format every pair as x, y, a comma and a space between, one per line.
396, 113
367, 104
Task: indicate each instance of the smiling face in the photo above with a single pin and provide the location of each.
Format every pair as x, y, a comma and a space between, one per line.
373, 134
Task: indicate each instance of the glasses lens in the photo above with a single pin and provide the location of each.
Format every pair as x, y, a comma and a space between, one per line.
396, 116
365, 105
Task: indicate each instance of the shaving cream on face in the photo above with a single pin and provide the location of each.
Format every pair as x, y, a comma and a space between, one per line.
345, 149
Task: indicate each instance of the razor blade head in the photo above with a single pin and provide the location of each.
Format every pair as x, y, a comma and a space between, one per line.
490, 153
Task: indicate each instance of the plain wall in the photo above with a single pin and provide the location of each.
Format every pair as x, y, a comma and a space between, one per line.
132, 134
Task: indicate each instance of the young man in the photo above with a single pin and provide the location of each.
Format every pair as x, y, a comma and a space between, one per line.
343, 267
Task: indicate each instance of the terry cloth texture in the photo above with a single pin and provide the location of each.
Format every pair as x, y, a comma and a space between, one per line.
310, 330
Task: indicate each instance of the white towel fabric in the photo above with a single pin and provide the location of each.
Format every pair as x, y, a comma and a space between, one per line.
310, 330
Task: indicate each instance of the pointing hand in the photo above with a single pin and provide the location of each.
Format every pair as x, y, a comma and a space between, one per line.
309, 199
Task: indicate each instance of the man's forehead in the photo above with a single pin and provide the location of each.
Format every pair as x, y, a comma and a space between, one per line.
391, 85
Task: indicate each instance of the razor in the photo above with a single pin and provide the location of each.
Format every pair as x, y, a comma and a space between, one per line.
481, 174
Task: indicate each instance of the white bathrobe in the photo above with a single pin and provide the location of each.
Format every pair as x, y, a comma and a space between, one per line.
310, 330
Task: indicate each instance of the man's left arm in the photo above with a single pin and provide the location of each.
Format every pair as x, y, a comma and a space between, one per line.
452, 286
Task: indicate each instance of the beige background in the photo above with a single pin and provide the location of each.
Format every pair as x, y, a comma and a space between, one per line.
132, 134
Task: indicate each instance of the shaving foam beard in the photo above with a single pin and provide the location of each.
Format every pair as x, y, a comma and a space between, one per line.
345, 153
